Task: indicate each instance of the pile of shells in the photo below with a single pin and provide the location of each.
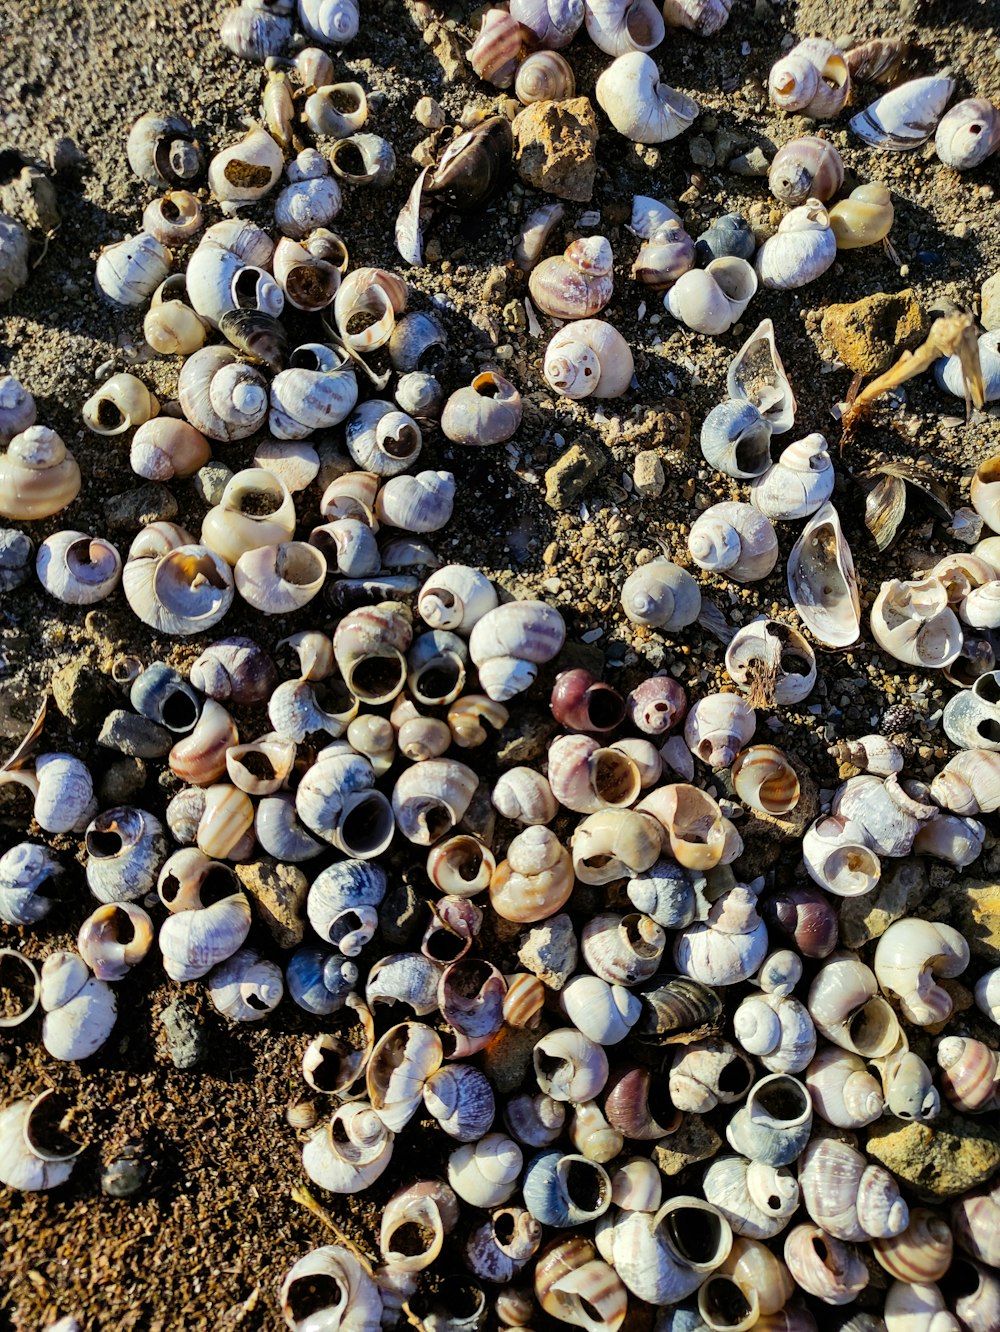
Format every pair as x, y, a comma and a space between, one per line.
579, 969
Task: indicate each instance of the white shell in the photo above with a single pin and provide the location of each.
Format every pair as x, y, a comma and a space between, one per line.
821, 580
914, 623
909, 955
246, 988
129, 271
220, 395
949, 374
588, 358
318, 389
905, 116
509, 643
332, 22
757, 375
619, 26
837, 857
639, 105
78, 569
331, 1273
734, 540
246, 171
767, 652
24, 1163
278, 580
800, 481
712, 299
80, 1010
800, 251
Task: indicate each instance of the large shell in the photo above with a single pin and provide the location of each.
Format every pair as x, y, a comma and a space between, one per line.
639, 105
220, 395
661, 595
589, 358
906, 116
798, 484
914, 623
812, 79
771, 663
821, 580
576, 284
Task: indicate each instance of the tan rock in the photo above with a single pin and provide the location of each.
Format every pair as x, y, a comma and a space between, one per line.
647, 474
694, 1141
278, 895
572, 473
870, 335
973, 907
937, 1160
555, 147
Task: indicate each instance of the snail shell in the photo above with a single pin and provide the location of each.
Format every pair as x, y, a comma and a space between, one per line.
171, 326
800, 481
904, 117
664, 257
914, 623
417, 503
38, 475
909, 955
736, 440
823, 1266
661, 595
246, 171
638, 105
509, 643
254, 32
757, 1200
16, 558
921, 1252
163, 151
821, 580
949, 374
78, 569
347, 1153
331, 1279
17, 408
535, 880
235, 668
122, 402
129, 271
456, 597
310, 200
174, 586
757, 375
843, 1091
167, 447
710, 300
774, 1123
812, 79
14, 257
545, 76
589, 358
246, 987
174, 218
495, 53
335, 110
309, 283
765, 780
806, 168
332, 22
554, 22
80, 1010
718, 727
576, 284
374, 296
364, 159
222, 396
968, 134
24, 871
770, 656
318, 389
563, 1191
487, 411
736, 540
730, 234
620, 26
255, 510
382, 440
282, 578
864, 218
704, 17
114, 938
800, 251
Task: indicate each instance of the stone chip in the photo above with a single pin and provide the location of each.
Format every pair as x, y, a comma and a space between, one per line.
555, 147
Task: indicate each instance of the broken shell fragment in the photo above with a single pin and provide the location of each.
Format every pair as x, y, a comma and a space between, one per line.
821, 580
906, 116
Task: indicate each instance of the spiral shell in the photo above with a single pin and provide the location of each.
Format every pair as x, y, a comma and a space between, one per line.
246, 171
638, 105
864, 218
712, 299
576, 284
806, 168
220, 395
544, 76
174, 586
800, 251
661, 595
78, 569
588, 358
968, 134
799, 482
735, 540
812, 79
487, 411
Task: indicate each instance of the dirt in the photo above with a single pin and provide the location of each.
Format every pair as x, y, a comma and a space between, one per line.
206, 1241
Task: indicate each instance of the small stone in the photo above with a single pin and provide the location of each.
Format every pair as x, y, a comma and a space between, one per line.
555, 145
647, 474
702, 152
17, 558
990, 302
136, 736
278, 894
753, 163
210, 481
428, 113
133, 509
82, 694
871, 334
185, 1038
694, 1141
122, 781
125, 1175
571, 474
549, 951
946, 1157
901, 889
972, 906
447, 49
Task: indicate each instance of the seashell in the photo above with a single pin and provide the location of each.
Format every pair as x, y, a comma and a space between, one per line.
427, 1206
756, 375
431, 798
771, 663
342, 904
17, 408
332, 1286
308, 283
774, 1123
297, 708
909, 955
904, 117
417, 503
420, 395
620, 26
372, 298
498, 1249
171, 326
718, 727
601, 1011
535, 880
255, 31
827, 1268
576, 284
78, 569
318, 981
864, 218
466, 715
668, 893
335, 110
918, 1306
704, 17
661, 595
920, 1253
220, 395
563, 1191
845, 1195
348, 546
163, 151
880, 60
280, 579
764, 779
806, 918
757, 1200
656, 705
948, 837
246, 171
120, 403
363, 159
24, 870
374, 738
664, 257
38, 475
712, 299
509, 643
843, 1092
456, 597
166, 447
63, 792
800, 251
318, 389
535, 233
194, 941
699, 836
970, 1072
553, 22
890, 816
487, 411
847, 1009
348, 1153
778, 1030
752, 1281
401, 1062
535, 1121
837, 857
726, 948
798, 484
234, 668
114, 938
524, 1000
125, 849
622, 950
980, 608
734, 539
332, 22
812, 79
545, 76
173, 586
524, 796
987, 991
485, 1173
471, 997
970, 717
588, 358
949, 374
80, 1010
914, 623
806, 168
968, 134
311, 200
255, 511
639, 106
709, 1073
368, 647
435, 668
569, 1067
21, 996
736, 440
586, 777
729, 235
461, 1099
821, 580
613, 843
638, 1106
35, 1151
574, 1286
498, 48
677, 1005
664, 1256
16, 246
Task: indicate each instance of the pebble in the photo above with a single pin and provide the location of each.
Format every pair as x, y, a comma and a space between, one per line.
990, 302
278, 893
549, 951
941, 1159
136, 736
428, 113
870, 334
133, 509
122, 781
125, 1175
185, 1038
572, 473
82, 694
701, 150
647, 474
753, 163
694, 1141
16, 558
555, 148
210, 481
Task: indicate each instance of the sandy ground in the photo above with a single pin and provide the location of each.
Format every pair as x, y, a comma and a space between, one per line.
206, 1241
